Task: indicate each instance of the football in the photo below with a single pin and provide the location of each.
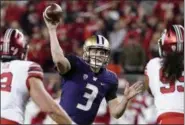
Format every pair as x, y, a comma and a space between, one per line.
53, 13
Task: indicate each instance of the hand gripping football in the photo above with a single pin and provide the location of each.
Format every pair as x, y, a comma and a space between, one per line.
53, 13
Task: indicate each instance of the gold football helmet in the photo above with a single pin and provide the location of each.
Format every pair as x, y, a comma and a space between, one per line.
96, 51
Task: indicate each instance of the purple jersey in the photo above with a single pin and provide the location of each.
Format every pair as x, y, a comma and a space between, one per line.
83, 90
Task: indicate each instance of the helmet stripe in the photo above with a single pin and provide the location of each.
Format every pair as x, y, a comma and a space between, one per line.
7, 40
180, 33
8, 35
179, 37
179, 44
102, 40
176, 32
97, 39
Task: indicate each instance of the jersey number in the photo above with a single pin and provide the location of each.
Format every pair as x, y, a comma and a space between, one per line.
89, 96
6, 81
172, 86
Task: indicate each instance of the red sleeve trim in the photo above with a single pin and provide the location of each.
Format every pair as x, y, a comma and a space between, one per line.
35, 69
36, 75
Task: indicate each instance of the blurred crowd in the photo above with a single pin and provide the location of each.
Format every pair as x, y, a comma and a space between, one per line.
132, 27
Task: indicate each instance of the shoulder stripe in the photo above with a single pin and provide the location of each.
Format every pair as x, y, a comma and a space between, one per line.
35, 69
37, 75
36, 72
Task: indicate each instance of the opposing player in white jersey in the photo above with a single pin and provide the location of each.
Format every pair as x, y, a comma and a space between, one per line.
165, 76
23, 79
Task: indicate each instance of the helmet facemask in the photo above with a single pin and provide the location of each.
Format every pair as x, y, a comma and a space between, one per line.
96, 57
96, 52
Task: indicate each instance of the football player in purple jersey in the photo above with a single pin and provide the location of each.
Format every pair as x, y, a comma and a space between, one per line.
86, 81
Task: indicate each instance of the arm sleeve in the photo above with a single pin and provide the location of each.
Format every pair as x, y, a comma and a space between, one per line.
36, 71
112, 93
73, 60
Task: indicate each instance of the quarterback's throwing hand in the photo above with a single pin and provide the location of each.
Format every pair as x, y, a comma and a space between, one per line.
133, 90
52, 16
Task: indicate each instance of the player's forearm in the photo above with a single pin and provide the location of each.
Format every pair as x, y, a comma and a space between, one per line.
57, 53
56, 50
55, 111
60, 116
120, 108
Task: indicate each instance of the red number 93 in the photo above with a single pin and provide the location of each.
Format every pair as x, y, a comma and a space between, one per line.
6, 81
172, 85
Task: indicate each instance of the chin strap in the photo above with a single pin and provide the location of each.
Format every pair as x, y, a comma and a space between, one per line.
96, 70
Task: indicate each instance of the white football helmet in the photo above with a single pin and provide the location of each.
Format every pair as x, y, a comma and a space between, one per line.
96, 59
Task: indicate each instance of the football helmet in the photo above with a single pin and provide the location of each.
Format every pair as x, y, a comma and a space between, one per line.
171, 40
96, 59
13, 45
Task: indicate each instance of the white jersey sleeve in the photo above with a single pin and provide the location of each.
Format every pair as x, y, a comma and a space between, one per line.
163, 91
15, 87
34, 70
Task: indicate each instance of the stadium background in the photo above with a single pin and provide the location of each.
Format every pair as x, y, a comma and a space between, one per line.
132, 27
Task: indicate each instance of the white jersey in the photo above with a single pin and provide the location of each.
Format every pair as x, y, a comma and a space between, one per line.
15, 87
167, 98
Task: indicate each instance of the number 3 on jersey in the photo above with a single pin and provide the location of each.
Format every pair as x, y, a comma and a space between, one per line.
6, 80
172, 86
90, 96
